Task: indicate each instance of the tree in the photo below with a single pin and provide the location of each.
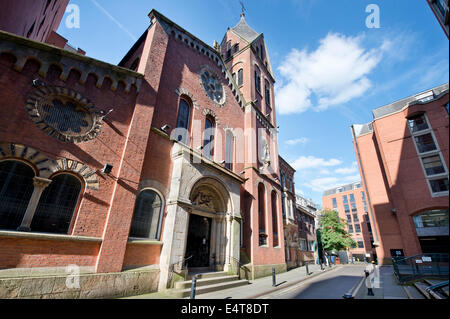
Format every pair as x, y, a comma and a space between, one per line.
333, 234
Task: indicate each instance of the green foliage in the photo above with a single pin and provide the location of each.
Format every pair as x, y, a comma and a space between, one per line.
334, 235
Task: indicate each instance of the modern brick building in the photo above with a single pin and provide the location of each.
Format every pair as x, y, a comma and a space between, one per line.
403, 160
440, 9
169, 158
350, 202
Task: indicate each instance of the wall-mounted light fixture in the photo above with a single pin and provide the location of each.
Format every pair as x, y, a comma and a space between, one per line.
165, 128
107, 169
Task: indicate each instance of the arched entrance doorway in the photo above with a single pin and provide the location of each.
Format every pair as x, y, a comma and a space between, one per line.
208, 231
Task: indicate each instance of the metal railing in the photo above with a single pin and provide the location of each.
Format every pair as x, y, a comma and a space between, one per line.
420, 266
181, 269
237, 265
437, 287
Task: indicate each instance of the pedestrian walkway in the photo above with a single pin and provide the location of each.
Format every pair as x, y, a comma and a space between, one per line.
256, 287
388, 288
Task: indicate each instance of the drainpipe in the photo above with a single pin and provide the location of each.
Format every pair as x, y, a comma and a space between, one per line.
358, 155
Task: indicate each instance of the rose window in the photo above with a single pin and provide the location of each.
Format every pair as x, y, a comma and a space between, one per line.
213, 86
64, 114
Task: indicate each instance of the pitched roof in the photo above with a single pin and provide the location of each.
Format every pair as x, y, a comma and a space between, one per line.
245, 31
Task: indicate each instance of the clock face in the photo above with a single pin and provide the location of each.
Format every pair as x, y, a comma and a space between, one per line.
213, 86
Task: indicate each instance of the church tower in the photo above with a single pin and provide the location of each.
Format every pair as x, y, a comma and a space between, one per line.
245, 53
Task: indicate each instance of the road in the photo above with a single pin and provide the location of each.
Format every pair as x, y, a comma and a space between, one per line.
330, 285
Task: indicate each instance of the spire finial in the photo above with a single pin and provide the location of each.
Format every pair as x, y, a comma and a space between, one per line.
242, 9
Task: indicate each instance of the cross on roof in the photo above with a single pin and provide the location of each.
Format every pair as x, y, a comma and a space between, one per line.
243, 8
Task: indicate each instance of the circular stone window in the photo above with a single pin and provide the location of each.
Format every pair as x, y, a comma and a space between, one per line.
64, 114
213, 86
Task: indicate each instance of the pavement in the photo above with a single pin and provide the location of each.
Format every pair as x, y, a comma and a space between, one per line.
388, 287
257, 287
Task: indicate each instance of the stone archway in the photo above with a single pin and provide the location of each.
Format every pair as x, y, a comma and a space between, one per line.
208, 235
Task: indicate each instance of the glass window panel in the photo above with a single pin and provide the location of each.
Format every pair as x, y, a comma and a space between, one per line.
183, 120
433, 218
240, 77
147, 213
208, 144
57, 205
439, 185
352, 198
433, 165
16, 188
417, 123
360, 244
350, 229
347, 209
425, 143
358, 228
345, 199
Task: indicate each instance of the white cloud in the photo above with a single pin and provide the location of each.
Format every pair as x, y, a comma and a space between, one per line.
301, 140
333, 74
347, 170
322, 184
313, 162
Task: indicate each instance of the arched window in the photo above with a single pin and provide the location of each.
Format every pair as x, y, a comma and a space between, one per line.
16, 188
147, 215
262, 215
208, 141
274, 219
240, 80
184, 115
229, 146
57, 205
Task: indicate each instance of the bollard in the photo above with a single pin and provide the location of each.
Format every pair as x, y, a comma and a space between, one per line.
307, 270
274, 281
193, 287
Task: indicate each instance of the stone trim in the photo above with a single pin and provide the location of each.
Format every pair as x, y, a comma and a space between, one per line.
207, 68
47, 236
24, 49
182, 91
138, 241
35, 98
46, 167
210, 112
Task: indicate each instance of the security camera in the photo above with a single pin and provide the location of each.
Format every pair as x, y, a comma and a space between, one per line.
107, 169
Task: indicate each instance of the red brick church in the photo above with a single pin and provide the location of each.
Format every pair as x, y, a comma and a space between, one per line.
167, 162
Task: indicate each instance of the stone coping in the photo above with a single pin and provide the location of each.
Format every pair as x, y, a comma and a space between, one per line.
139, 241
47, 236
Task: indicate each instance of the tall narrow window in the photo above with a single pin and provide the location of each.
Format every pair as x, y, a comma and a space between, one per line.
184, 113
16, 188
274, 220
262, 215
229, 145
334, 203
267, 93
147, 215
208, 141
240, 77
257, 80
57, 205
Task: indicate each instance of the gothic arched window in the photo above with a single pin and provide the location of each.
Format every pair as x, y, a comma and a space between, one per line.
184, 116
147, 215
274, 219
229, 146
57, 205
240, 80
16, 188
208, 141
262, 215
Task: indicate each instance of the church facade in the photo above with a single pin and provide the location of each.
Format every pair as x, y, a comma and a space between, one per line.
168, 161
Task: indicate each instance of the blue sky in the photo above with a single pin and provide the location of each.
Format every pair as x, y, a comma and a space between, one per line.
331, 70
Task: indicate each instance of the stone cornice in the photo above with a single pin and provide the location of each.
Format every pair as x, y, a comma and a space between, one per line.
48, 236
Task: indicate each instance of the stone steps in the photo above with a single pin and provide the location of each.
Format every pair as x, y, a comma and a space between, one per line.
207, 282
207, 275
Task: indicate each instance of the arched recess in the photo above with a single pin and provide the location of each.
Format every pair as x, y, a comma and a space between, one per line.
57, 205
147, 215
209, 234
